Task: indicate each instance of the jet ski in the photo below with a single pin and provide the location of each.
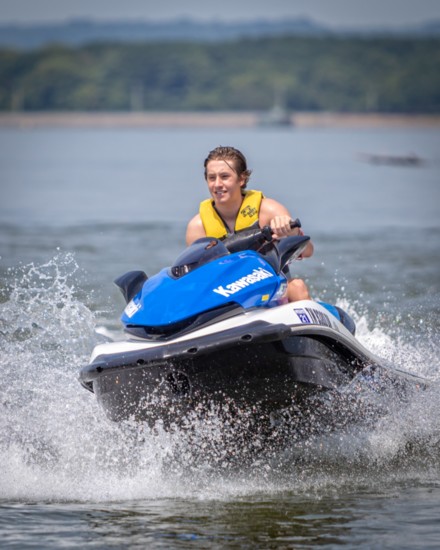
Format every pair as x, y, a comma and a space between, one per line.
215, 328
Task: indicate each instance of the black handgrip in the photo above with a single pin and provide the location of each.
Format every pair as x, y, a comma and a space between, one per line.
254, 238
267, 231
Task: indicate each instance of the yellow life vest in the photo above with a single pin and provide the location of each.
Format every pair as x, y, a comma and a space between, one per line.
247, 216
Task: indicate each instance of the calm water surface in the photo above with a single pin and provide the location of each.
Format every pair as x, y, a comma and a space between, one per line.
80, 207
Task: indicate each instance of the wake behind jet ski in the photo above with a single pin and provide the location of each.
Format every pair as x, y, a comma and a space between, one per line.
215, 328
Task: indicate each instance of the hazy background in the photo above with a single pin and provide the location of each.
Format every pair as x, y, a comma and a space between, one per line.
332, 12
317, 56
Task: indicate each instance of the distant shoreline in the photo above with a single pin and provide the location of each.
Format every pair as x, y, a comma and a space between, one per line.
209, 119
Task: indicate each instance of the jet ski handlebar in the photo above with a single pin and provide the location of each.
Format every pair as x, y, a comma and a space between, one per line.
267, 231
254, 238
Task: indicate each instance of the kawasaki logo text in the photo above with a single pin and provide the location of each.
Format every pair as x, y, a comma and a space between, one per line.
250, 279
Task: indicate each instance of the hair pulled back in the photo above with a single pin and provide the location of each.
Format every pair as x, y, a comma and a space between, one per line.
236, 157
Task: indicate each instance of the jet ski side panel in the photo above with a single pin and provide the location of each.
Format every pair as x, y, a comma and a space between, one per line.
268, 366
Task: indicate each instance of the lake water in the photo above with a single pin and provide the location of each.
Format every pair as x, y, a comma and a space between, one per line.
78, 207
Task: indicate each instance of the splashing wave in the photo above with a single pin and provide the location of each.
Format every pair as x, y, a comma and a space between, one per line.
55, 443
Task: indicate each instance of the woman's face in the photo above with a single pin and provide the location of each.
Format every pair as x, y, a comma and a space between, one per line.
224, 183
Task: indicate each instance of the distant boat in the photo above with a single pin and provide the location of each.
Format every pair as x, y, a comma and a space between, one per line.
278, 115
394, 160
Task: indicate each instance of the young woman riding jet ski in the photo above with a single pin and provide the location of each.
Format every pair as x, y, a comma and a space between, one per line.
233, 208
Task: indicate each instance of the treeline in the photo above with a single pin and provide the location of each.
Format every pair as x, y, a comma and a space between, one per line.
309, 74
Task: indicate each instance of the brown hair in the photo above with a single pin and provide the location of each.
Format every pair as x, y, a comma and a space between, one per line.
231, 154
